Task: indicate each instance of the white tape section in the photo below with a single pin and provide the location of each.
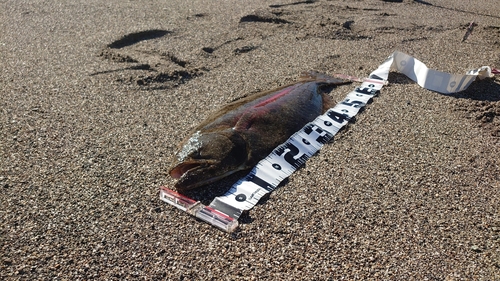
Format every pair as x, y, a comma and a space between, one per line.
225, 210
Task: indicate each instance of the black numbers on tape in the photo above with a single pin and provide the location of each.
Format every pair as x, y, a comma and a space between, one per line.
353, 103
321, 135
290, 151
366, 91
337, 117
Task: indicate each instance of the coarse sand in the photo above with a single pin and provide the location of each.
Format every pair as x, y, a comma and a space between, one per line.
96, 95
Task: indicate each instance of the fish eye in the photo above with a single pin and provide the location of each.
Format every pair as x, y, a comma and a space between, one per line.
197, 153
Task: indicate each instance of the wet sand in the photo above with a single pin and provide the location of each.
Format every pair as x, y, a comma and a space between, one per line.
96, 96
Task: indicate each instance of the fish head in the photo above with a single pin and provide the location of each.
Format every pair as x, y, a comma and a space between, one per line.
207, 157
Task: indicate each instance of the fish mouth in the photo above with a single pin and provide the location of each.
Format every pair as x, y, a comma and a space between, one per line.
185, 168
180, 170
193, 174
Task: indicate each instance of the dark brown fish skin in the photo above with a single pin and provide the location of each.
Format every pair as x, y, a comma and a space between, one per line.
245, 131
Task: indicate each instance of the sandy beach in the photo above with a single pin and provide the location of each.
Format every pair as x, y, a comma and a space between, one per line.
96, 96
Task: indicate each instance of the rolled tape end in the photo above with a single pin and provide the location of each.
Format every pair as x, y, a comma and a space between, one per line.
485, 72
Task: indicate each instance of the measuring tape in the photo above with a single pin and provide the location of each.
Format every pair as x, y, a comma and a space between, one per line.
285, 159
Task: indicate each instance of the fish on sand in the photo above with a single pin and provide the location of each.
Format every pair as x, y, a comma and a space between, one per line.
245, 131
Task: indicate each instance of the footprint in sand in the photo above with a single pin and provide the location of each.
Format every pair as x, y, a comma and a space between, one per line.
174, 71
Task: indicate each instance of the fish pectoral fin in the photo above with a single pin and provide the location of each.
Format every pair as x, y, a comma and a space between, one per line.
245, 122
328, 102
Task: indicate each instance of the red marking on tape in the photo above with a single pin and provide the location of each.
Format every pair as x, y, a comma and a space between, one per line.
178, 195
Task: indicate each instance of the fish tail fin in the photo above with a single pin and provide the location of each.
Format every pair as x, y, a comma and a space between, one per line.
310, 76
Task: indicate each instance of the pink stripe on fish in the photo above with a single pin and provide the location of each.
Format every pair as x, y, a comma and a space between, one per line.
247, 118
277, 96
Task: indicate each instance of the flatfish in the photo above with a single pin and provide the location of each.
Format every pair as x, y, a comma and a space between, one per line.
245, 131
